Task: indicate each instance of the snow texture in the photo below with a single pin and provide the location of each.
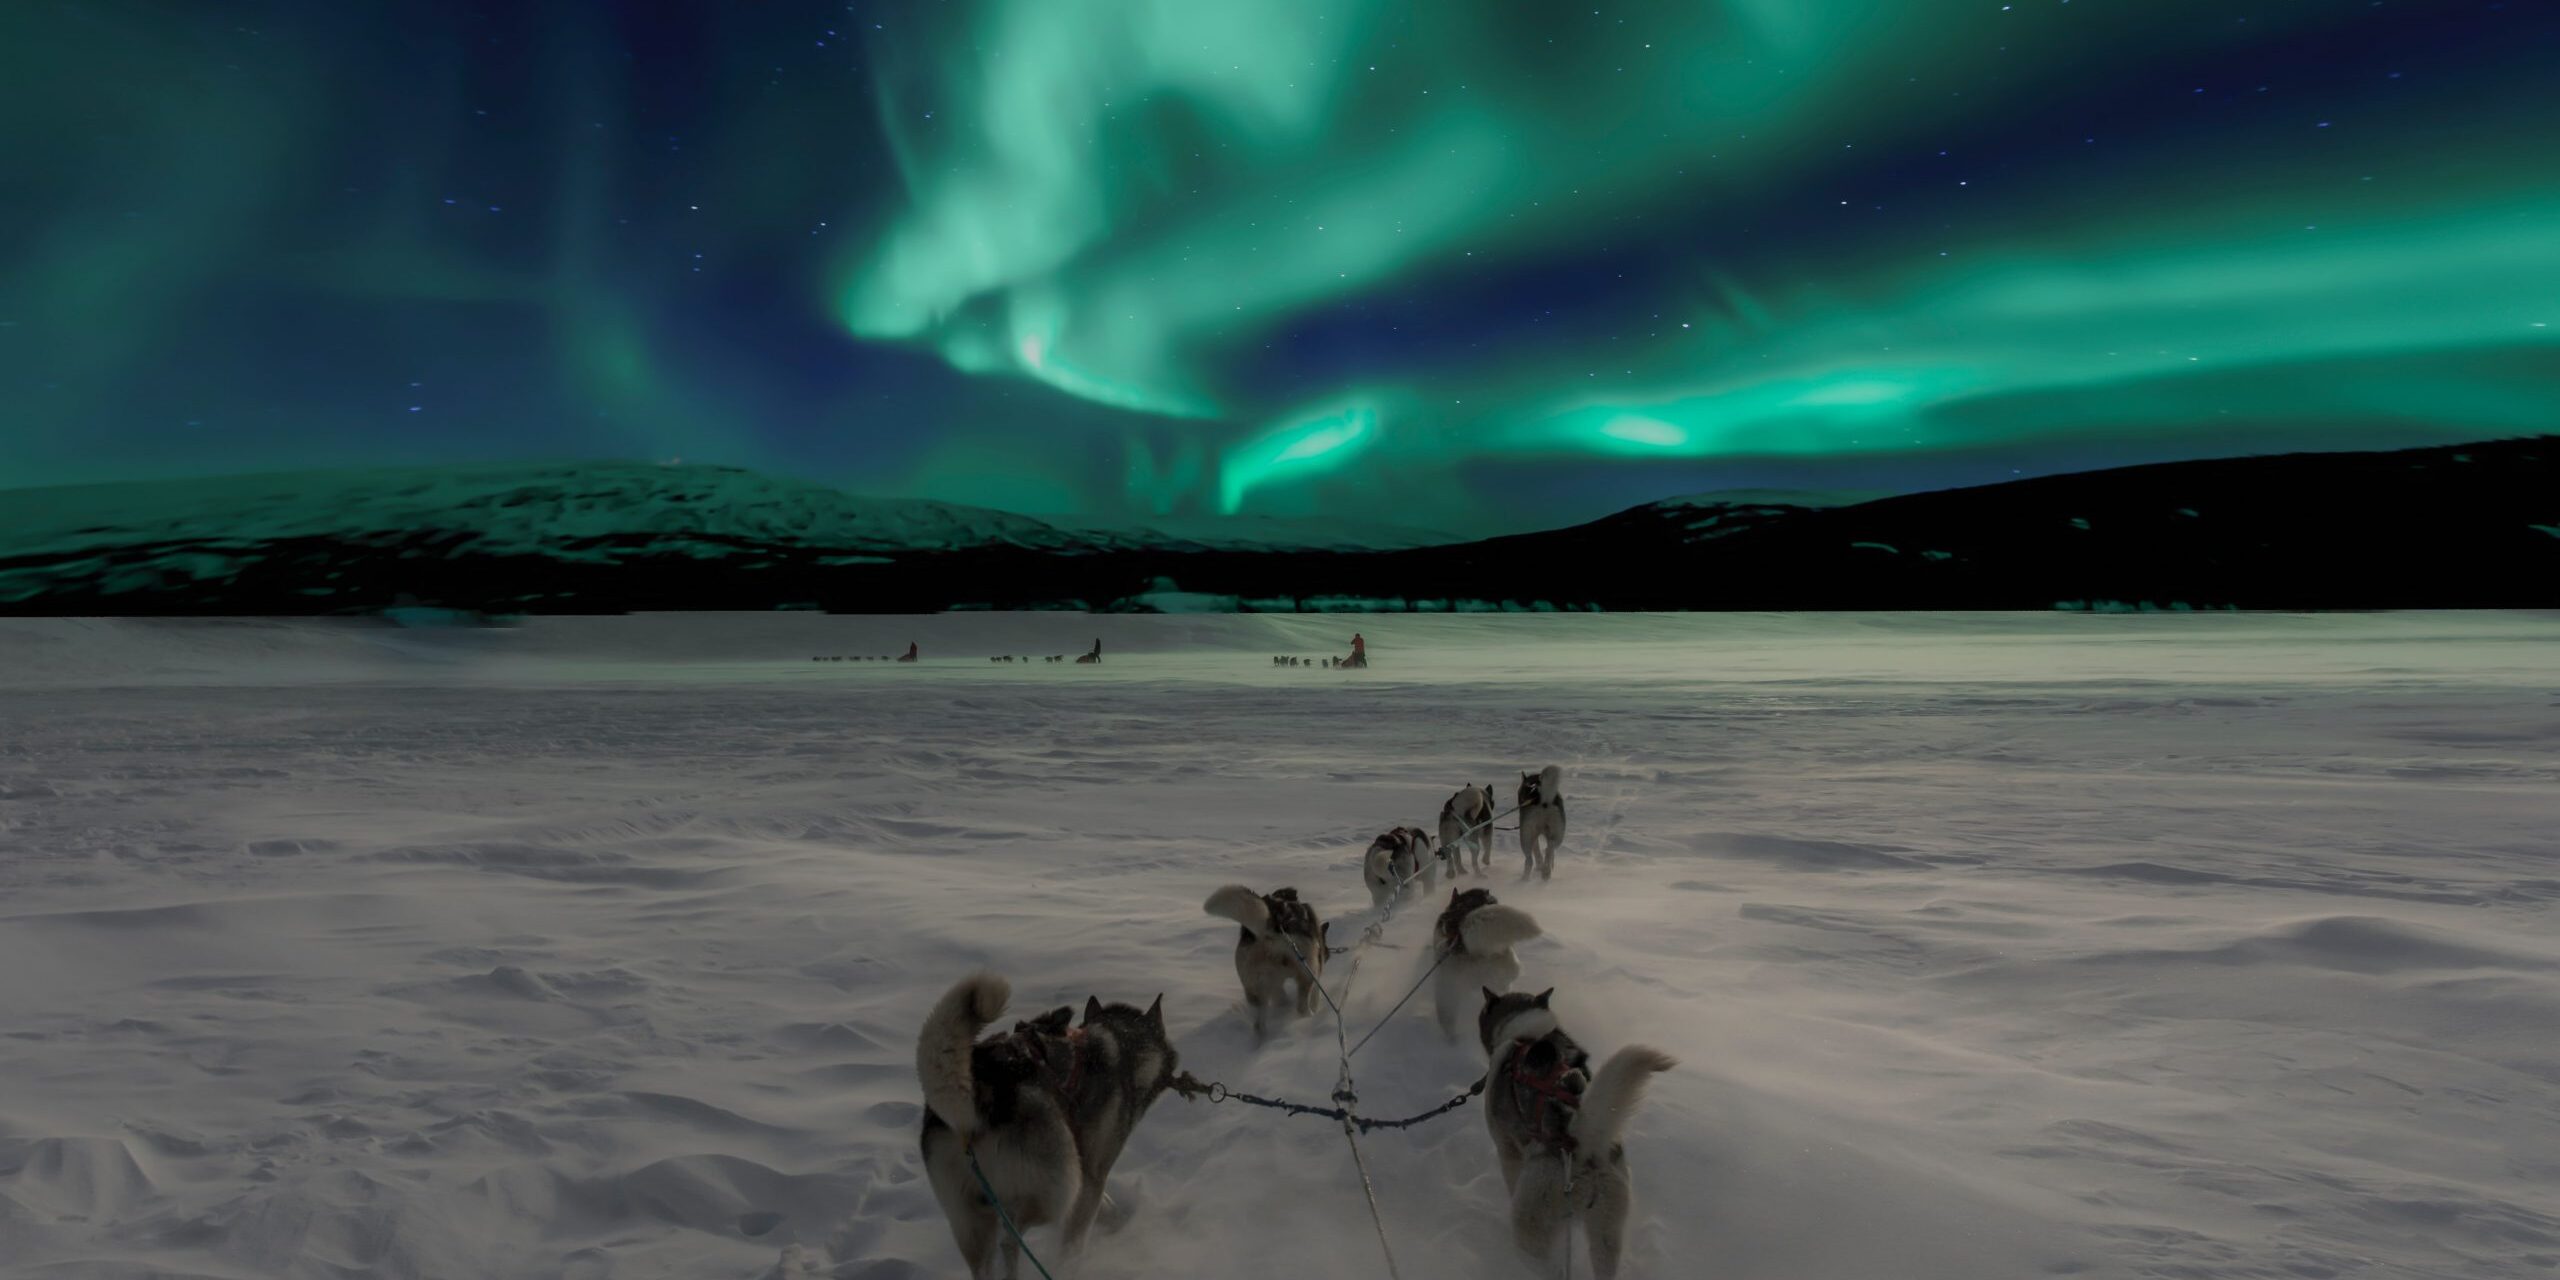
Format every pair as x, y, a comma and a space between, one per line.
1989, 946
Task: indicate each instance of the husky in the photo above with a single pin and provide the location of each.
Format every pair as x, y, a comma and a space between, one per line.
1473, 940
1557, 1126
1282, 942
1046, 1109
1394, 859
1468, 817
1541, 821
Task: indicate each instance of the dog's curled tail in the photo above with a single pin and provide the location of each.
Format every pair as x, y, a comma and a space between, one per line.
942, 1051
1242, 905
1492, 930
1614, 1093
1551, 782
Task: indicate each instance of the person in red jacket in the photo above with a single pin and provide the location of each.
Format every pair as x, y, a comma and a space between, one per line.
1359, 652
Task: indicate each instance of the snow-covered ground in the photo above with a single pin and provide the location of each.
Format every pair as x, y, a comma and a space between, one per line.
1990, 946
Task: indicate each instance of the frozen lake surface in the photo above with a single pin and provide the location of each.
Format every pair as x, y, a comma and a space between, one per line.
1990, 946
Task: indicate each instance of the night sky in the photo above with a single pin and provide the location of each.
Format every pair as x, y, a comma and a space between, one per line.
1473, 265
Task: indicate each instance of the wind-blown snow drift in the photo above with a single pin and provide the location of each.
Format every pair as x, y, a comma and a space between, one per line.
2204, 946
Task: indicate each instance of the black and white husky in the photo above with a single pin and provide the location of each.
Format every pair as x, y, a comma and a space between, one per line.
1473, 940
1282, 943
1541, 821
1045, 1107
1394, 859
1557, 1126
1467, 817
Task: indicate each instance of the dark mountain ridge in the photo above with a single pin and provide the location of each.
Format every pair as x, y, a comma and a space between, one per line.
2470, 526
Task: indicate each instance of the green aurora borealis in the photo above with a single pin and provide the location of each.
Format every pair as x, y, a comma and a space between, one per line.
1477, 267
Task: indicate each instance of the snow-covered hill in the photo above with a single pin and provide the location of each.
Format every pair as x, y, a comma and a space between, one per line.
323, 535
504, 508
2463, 526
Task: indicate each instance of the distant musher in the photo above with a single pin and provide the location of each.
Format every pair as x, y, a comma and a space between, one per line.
1359, 652
1095, 655
910, 654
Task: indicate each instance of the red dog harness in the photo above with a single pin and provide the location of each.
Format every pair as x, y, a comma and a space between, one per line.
1549, 1105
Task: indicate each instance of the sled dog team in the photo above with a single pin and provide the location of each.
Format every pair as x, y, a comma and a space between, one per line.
908, 656
1046, 1107
1089, 656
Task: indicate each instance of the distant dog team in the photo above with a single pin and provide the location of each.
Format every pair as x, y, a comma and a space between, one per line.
1358, 658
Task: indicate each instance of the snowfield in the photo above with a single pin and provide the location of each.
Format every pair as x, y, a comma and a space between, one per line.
1990, 946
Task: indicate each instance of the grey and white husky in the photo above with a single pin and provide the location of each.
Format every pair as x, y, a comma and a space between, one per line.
1282, 944
1046, 1107
1473, 939
1541, 821
1468, 817
1394, 859
1557, 1126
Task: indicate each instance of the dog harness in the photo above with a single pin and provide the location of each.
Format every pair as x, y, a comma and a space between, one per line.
1399, 844
1545, 1098
1544, 801
1451, 927
1063, 1080
1288, 915
1046, 1050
